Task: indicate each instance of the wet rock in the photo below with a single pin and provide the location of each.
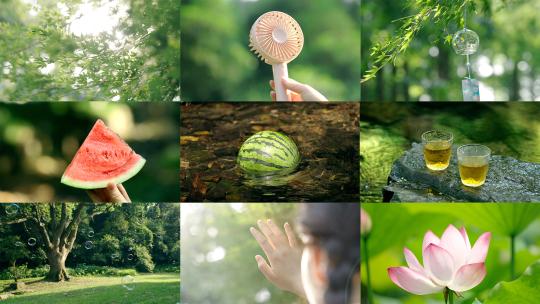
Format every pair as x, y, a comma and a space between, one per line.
508, 180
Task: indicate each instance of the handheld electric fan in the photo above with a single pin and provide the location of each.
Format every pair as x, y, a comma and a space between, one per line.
277, 39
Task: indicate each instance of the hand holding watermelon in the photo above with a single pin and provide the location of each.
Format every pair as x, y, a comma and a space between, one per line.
111, 194
101, 164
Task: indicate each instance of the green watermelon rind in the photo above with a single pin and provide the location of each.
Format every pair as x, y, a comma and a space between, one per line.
261, 170
103, 183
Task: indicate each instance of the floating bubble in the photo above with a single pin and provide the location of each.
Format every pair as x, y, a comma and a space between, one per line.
115, 256
127, 282
18, 244
32, 241
130, 257
33, 257
12, 209
130, 249
465, 42
91, 233
88, 245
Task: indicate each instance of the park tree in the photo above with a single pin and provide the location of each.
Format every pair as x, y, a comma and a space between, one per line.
55, 227
138, 236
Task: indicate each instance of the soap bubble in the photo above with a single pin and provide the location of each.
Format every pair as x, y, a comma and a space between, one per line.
465, 42
115, 256
127, 282
130, 257
88, 245
12, 209
90, 233
18, 244
130, 249
33, 257
32, 241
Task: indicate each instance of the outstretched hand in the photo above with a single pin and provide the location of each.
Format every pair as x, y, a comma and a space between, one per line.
297, 91
111, 194
284, 256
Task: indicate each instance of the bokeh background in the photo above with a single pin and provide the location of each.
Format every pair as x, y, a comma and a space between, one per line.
217, 64
218, 253
389, 129
90, 50
38, 140
403, 225
506, 63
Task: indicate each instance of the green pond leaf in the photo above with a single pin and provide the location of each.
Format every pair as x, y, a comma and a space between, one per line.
524, 290
507, 219
393, 225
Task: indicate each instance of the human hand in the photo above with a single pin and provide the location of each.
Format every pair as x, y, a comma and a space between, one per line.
111, 194
284, 256
297, 91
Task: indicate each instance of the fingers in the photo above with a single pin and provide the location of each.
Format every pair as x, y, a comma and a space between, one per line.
94, 196
279, 237
263, 242
264, 268
294, 85
124, 193
296, 97
306, 92
111, 194
267, 232
273, 95
290, 235
272, 84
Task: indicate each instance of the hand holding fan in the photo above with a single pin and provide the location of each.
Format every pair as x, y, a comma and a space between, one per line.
277, 39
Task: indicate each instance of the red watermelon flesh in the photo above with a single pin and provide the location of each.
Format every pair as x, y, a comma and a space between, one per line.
103, 158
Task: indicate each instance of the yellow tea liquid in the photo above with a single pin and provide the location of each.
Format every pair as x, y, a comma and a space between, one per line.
473, 175
437, 155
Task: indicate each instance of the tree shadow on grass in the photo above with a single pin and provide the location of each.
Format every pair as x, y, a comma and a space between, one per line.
142, 293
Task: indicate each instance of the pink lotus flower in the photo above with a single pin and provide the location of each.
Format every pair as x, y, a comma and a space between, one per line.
449, 262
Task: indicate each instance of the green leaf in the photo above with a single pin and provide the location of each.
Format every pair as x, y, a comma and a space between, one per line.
404, 225
524, 290
507, 219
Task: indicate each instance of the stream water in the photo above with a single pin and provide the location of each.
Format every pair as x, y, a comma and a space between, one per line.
389, 129
326, 135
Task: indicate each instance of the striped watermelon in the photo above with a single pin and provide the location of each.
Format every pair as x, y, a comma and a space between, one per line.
103, 158
268, 153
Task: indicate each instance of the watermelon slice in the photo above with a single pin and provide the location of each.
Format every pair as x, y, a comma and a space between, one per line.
103, 158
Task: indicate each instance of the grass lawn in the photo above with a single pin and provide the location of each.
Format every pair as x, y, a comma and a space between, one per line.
162, 288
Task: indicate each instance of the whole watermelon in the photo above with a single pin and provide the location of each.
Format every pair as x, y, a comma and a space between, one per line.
268, 153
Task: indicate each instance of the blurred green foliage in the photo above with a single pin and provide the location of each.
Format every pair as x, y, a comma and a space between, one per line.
137, 236
403, 225
38, 140
44, 58
218, 253
217, 64
406, 47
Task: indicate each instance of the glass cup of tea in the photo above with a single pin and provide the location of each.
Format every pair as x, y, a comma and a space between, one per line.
473, 162
437, 149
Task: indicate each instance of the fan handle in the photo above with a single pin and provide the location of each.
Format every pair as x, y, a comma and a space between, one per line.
280, 72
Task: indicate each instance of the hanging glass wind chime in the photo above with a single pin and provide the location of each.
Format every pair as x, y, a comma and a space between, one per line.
465, 42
